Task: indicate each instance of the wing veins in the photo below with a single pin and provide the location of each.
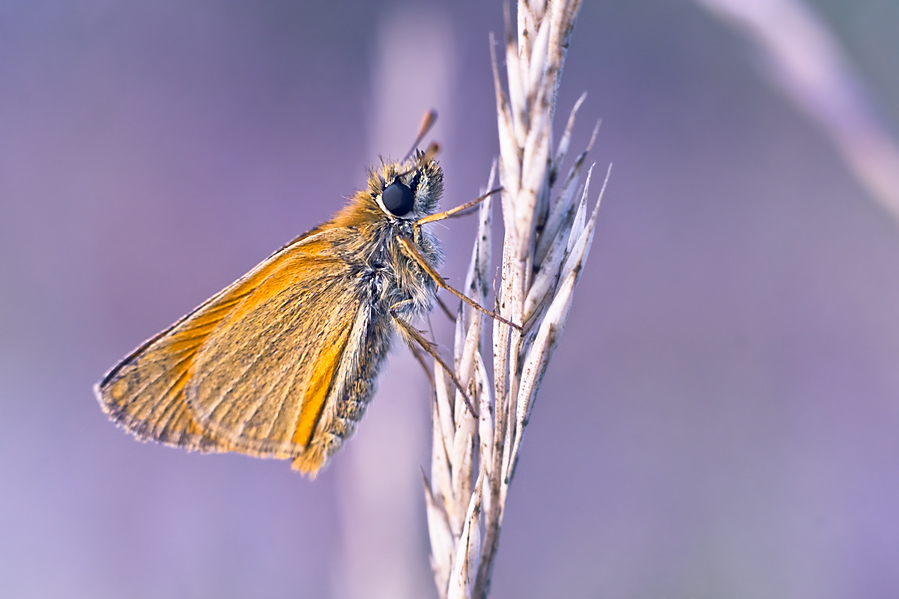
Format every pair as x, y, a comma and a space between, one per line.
169, 413
225, 392
150, 381
283, 402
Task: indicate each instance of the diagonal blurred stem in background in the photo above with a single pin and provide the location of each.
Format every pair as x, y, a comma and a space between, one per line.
806, 62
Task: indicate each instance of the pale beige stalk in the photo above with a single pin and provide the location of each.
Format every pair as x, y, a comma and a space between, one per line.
548, 233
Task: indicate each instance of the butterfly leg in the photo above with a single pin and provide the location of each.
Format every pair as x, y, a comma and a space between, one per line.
458, 210
445, 310
412, 251
416, 351
412, 337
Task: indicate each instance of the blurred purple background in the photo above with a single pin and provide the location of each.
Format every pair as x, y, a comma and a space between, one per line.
720, 420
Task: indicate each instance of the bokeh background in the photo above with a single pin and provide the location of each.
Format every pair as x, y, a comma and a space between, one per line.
721, 419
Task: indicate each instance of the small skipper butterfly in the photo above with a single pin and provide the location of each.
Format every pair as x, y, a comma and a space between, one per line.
282, 363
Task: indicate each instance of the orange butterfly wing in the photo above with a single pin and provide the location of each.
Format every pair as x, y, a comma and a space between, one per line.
251, 370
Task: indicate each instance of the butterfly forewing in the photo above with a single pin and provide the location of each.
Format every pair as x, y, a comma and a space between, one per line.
249, 370
279, 361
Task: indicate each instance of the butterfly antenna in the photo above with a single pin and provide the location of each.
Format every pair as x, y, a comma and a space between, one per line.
426, 124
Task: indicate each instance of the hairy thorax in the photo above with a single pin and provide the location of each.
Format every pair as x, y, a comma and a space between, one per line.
390, 278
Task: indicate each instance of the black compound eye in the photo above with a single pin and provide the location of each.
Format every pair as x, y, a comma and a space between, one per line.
397, 198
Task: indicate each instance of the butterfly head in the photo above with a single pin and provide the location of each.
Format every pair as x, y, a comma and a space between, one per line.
407, 191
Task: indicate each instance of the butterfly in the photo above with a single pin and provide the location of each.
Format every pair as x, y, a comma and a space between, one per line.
282, 363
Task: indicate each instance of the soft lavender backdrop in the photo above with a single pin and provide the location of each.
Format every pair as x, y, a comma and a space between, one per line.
722, 416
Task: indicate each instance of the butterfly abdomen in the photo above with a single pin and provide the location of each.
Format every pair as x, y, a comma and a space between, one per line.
353, 385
